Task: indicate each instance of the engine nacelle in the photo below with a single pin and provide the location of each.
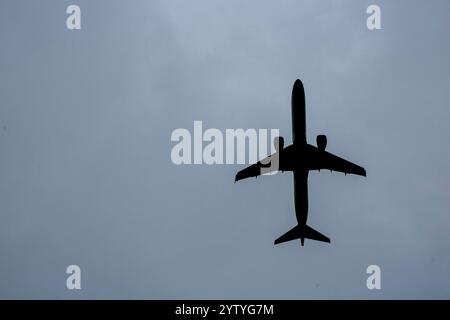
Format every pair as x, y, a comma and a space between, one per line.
321, 141
279, 143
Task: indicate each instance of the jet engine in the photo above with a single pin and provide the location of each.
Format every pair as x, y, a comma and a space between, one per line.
321, 141
278, 143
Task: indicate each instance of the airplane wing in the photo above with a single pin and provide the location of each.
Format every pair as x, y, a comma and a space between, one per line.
326, 160
261, 167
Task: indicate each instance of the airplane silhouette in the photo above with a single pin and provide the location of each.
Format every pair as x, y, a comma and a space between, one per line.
300, 157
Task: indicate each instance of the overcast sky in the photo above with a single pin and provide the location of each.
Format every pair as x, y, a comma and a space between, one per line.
86, 176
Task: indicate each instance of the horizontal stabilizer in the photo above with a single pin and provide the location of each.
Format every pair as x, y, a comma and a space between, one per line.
292, 234
312, 234
304, 232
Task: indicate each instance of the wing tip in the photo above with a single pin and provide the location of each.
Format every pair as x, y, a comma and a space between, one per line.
364, 173
238, 177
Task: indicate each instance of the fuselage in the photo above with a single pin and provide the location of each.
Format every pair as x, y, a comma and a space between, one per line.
301, 196
302, 157
299, 158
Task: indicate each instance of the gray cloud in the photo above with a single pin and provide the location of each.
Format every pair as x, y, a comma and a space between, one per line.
86, 176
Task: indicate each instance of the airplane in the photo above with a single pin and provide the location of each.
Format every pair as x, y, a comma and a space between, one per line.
300, 157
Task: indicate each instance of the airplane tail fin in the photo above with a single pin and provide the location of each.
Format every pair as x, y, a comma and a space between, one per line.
302, 233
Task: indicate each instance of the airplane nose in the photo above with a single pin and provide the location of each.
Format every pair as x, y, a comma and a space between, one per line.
298, 83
